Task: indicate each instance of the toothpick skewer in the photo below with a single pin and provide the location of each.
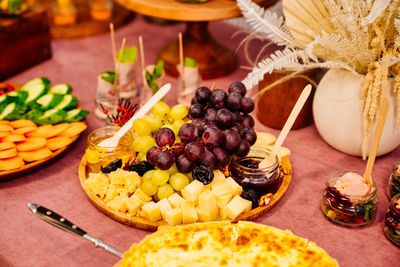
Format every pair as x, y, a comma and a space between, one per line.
143, 89
213, 87
141, 52
181, 60
117, 67
375, 142
113, 43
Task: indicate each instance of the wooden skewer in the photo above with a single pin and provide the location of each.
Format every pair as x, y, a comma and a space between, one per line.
117, 67
142, 62
113, 43
181, 59
268, 161
375, 142
213, 87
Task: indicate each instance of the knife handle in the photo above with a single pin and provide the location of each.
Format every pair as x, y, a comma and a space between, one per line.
58, 221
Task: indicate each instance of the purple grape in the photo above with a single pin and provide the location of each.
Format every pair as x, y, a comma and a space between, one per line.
236, 116
217, 98
246, 105
237, 127
164, 136
247, 121
221, 156
212, 137
152, 153
237, 87
243, 149
250, 135
197, 122
232, 140
194, 151
203, 95
208, 124
233, 101
165, 160
195, 100
224, 118
196, 111
210, 114
188, 133
208, 159
184, 164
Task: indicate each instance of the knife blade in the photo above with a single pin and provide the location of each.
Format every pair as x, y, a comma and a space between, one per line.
59, 221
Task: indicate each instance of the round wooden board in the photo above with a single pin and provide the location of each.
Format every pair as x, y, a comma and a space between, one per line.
175, 10
144, 224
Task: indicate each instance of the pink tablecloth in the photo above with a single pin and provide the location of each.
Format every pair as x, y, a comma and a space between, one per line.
28, 241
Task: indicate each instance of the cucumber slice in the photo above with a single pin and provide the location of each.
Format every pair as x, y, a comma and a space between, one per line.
68, 102
12, 112
18, 96
49, 101
52, 116
34, 114
62, 89
35, 91
76, 115
43, 80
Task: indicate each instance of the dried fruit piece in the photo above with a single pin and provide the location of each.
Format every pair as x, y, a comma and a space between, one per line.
141, 167
251, 195
203, 174
113, 166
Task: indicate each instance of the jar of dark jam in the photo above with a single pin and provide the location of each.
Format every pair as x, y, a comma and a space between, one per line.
349, 210
247, 173
392, 221
394, 181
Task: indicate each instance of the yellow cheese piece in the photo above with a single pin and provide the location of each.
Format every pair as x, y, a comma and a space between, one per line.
132, 181
173, 216
236, 206
118, 203
113, 190
189, 213
221, 188
207, 201
133, 204
222, 214
223, 200
117, 177
151, 211
235, 187
164, 206
175, 200
218, 177
142, 195
264, 138
192, 191
97, 183
207, 216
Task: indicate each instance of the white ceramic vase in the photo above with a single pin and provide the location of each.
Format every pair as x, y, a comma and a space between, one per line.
338, 116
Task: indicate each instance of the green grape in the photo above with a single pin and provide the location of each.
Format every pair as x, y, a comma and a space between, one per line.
149, 188
148, 175
142, 127
178, 112
160, 177
164, 191
143, 143
142, 156
154, 121
178, 181
174, 128
160, 109
179, 123
173, 169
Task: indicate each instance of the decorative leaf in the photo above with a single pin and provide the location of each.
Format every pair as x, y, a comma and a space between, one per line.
129, 55
189, 62
108, 76
266, 22
377, 8
158, 69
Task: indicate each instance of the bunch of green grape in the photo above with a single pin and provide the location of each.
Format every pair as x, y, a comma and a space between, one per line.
161, 184
161, 116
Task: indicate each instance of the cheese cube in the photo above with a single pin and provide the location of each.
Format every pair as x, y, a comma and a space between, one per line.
222, 214
192, 191
118, 203
164, 206
205, 216
142, 195
113, 190
125, 192
175, 200
117, 177
207, 201
236, 206
132, 181
218, 176
97, 183
236, 188
151, 211
221, 188
223, 200
173, 216
189, 213
133, 204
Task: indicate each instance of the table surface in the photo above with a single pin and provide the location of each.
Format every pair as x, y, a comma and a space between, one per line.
27, 241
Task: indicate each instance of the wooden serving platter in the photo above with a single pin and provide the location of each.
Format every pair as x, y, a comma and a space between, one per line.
144, 224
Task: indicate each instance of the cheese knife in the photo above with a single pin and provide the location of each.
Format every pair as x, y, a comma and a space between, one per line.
62, 223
